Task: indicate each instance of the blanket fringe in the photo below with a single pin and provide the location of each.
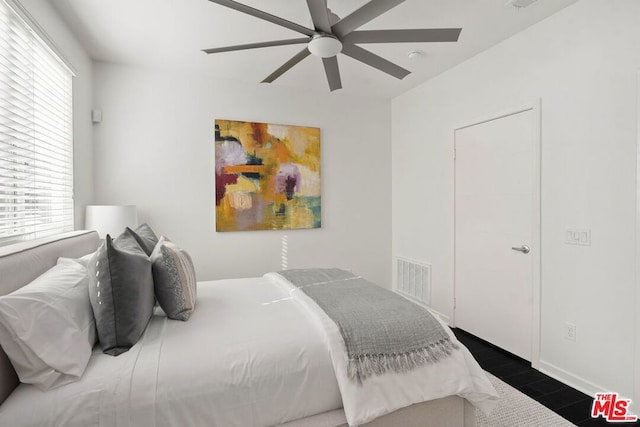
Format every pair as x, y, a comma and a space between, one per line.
362, 366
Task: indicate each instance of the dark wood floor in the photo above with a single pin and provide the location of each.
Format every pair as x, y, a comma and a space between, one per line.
567, 402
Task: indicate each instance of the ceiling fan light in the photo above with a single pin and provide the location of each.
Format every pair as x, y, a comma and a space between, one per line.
325, 46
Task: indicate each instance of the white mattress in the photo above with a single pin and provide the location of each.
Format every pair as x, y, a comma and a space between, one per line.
248, 356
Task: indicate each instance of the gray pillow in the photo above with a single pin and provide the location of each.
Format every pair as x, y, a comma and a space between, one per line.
174, 278
121, 293
145, 237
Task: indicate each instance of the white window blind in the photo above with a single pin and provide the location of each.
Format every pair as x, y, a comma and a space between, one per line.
36, 141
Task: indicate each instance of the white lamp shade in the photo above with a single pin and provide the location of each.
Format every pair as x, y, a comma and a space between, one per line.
325, 46
110, 219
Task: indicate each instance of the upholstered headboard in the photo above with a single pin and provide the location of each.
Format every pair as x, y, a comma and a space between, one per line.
23, 262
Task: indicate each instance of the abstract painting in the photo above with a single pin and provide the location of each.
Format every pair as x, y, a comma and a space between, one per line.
267, 176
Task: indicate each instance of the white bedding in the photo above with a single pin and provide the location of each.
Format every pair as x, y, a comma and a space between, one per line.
458, 374
247, 357
252, 354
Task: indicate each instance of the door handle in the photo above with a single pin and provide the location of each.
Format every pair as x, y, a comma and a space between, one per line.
524, 249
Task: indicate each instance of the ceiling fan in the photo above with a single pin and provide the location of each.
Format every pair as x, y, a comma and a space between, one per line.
331, 36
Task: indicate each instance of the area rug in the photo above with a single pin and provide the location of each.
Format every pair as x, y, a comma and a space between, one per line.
516, 409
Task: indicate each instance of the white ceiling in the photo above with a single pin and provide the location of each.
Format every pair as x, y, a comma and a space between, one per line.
171, 33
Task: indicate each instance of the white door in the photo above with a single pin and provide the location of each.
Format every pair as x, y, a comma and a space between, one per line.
496, 215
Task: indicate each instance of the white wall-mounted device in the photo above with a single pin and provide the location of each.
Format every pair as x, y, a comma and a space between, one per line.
96, 116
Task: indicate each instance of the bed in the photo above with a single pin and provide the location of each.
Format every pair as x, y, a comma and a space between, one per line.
250, 355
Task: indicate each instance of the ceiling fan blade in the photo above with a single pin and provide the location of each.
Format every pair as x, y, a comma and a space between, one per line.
404, 36
287, 65
375, 61
366, 13
264, 15
319, 15
256, 45
333, 72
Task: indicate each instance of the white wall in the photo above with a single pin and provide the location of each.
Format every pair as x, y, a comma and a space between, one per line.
74, 54
155, 149
582, 63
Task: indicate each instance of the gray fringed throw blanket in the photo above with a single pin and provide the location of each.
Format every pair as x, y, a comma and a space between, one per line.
383, 332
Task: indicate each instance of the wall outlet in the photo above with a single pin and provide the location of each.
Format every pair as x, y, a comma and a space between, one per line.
570, 331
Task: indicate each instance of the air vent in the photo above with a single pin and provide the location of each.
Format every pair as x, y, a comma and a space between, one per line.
413, 280
520, 3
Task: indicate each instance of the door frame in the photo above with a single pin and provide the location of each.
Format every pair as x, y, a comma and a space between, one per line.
535, 107
636, 290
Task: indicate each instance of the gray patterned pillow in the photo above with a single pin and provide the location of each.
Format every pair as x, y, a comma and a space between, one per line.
174, 278
121, 293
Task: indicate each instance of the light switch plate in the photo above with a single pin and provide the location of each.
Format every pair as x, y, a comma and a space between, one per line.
581, 237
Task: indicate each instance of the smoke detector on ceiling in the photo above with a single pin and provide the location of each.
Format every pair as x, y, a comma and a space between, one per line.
520, 3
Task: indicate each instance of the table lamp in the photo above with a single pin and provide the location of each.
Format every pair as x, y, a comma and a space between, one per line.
110, 219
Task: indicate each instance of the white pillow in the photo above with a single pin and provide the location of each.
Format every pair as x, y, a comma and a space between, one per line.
47, 327
83, 260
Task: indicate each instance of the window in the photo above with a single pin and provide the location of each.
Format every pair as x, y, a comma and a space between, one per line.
36, 142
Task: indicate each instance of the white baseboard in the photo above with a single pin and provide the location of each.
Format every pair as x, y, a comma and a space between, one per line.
442, 317
570, 379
